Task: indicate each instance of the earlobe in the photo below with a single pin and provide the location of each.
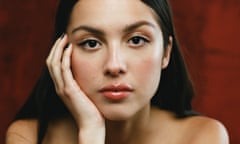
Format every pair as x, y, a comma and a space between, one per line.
167, 53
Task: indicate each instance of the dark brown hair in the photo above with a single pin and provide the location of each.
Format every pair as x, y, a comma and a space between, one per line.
174, 92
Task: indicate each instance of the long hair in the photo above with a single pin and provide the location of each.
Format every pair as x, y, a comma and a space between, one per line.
174, 92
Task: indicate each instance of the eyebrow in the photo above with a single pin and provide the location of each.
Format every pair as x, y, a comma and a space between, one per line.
136, 25
127, 29
88, 29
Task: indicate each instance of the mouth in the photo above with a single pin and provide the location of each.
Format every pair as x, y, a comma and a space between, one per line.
116, 92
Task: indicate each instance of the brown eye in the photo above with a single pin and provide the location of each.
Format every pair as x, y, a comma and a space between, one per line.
89, 44
138, 41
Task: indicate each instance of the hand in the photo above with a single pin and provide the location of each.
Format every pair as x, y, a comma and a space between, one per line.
85, 113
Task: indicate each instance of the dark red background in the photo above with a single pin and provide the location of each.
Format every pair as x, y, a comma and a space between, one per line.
208, 32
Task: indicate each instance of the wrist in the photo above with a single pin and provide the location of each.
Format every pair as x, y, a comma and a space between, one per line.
92, 135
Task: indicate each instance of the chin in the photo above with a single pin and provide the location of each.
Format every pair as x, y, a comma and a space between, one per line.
117, 118
117, 115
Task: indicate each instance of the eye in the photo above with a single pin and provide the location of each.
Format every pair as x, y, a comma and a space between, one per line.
89, 44
138, 41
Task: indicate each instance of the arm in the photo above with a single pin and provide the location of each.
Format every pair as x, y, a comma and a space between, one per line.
89, 120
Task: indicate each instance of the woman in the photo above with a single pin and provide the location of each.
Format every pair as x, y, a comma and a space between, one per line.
115, 76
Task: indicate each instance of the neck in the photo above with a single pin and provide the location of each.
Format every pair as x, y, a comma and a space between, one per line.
127, 131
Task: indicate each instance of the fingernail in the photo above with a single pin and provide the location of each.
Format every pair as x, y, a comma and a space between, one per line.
68, 45
63, 34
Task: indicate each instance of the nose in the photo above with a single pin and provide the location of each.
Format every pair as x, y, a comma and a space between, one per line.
115, 65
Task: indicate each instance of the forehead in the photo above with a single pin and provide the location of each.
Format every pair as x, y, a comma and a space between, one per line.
111, 12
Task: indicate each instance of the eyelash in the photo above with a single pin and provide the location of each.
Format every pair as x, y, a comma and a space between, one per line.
86, 44
141, 38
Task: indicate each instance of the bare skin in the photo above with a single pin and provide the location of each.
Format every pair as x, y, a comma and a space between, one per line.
113, 52
165, 129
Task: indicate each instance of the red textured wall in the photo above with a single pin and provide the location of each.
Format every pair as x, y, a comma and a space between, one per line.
208, 31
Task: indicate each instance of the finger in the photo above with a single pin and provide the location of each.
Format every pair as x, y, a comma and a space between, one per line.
54, 64
49, 58
58, 51
79, 104
73, 91
83, 109
69, 82
66, 66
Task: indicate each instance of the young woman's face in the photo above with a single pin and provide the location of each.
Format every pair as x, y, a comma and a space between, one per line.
117, 54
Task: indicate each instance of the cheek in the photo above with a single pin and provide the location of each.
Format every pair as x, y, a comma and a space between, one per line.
83, 70
150, 69
148, 72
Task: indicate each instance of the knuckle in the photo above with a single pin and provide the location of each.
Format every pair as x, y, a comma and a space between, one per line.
59, 91
53, 65
63, 67
68, 90
47, 61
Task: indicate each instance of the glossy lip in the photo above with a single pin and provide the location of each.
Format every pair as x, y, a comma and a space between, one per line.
116, 92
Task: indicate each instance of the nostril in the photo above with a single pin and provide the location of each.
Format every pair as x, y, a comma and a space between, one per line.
114, 73
115, 64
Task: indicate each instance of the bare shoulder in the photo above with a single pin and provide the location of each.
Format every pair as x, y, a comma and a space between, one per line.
22, 132
204, 130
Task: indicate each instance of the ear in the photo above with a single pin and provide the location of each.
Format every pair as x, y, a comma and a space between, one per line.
167, 53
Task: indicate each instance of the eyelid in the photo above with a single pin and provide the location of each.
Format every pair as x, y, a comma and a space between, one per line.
88, 39
87, 35
143, 37
142, 42
83, 43
140, 34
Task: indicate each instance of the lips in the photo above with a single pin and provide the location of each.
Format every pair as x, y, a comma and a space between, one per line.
116, 92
